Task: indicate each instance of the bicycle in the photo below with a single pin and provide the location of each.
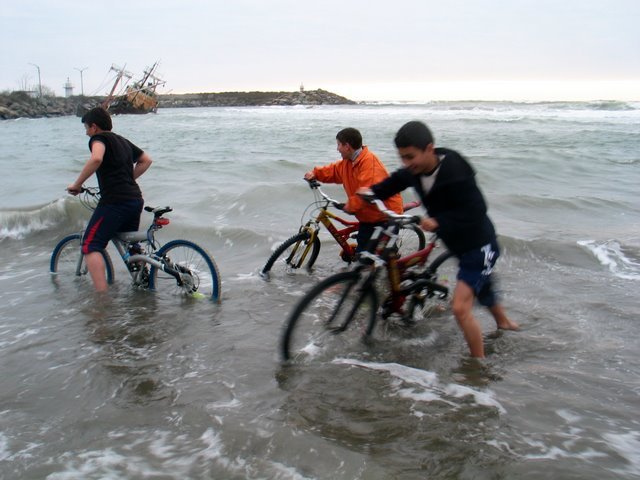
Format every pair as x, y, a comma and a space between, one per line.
344, 308
303, 248
179, 266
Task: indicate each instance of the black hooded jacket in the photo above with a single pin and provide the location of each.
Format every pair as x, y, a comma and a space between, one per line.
454, 200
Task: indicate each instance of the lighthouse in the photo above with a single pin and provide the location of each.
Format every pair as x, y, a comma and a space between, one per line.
68, 88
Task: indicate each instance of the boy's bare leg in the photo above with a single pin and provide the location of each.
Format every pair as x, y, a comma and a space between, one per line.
96, 267
502, 321
462, 306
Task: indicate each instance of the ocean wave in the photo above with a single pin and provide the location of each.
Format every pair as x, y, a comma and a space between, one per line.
555, 253
555, 205
64, 213
612, 105
623, 261
424, 386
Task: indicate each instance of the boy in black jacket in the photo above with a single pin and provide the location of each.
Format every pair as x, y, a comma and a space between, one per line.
457, 212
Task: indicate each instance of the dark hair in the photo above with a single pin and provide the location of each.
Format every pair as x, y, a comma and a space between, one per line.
100, 117
350, 136
414, 134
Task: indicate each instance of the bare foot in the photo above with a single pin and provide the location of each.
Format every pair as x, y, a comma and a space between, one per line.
507, 324
502, 321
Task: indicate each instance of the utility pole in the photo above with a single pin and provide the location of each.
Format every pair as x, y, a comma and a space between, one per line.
81, 84
39, 80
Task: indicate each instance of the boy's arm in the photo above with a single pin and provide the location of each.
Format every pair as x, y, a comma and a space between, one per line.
366, 176
94, 162
398, 181
327, 174
142, 165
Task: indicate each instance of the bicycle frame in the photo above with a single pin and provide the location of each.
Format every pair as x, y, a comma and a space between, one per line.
325, 217
340, 235
125, 239
382, 244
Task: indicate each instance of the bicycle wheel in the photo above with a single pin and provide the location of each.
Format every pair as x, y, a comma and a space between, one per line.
67, 259
431, 289
199, 272
334, 315
411, 238
293, 253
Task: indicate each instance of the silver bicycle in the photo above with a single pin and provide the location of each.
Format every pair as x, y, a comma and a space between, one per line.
178, 267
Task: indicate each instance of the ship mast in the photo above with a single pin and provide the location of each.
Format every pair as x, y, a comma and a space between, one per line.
121, 73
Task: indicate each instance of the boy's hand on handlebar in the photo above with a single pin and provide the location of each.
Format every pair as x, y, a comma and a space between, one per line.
339, 205
309, 177
74, 189
429, 224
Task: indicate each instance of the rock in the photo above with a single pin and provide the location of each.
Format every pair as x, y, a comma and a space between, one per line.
21, 104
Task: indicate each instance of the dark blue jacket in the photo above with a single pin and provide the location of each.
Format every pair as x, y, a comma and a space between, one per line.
454, 200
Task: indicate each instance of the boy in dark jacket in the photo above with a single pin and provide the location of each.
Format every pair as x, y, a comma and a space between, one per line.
457, 212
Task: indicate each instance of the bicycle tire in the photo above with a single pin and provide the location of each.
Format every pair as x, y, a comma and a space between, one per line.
296, 246
202, 276
67, 259
411, 238
329, 318
437, 278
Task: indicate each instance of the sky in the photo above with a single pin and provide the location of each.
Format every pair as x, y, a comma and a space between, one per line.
366, 50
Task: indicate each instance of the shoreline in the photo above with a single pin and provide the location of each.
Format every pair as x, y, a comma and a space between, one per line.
21, 105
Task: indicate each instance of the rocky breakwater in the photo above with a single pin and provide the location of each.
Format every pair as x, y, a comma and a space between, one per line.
21, 104
252, 99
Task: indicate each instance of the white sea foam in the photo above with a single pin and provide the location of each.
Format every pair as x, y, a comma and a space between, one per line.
5, 453
611, 255
150, 454
628, 446
432, 388
16, 224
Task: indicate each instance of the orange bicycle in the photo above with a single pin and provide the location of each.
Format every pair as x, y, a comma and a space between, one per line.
302, 249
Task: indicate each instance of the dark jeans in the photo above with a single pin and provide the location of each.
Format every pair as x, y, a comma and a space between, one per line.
364, 234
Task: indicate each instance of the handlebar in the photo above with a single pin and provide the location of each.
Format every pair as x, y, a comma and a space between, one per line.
93, 191
393, 216
315, 185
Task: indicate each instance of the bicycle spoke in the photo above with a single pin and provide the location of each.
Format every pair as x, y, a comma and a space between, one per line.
197, 271
332, 319
67, 262
295, 254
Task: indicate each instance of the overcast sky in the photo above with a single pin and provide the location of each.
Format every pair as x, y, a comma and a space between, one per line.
363, 49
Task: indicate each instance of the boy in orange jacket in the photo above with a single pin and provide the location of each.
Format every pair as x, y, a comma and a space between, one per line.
359, 167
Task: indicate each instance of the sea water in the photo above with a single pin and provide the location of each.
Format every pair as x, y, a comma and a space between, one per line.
136, 385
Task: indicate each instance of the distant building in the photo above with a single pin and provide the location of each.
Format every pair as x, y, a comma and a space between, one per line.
301, 87
68, 88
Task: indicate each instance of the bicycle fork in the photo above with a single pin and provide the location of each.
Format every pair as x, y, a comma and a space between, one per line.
306, 246
360, 286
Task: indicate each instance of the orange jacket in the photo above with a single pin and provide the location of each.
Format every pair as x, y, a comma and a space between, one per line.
364, 171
